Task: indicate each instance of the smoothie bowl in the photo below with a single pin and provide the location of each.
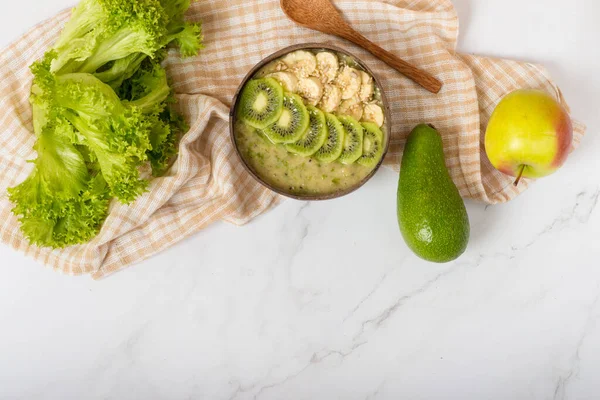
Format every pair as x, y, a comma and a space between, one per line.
311, 122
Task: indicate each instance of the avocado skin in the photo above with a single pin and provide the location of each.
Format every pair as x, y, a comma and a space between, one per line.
432, 216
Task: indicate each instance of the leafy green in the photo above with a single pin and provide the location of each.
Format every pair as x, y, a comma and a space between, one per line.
102, 108
163, 138
187, 35
120, 70
149, 91
104, 31
60, 203
108, 30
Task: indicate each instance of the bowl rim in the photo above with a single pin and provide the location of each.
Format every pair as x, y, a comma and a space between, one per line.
311, 46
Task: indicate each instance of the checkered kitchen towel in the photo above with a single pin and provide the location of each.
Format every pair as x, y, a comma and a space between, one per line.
207, 183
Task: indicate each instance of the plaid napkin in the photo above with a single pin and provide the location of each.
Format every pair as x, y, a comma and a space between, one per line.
207, 183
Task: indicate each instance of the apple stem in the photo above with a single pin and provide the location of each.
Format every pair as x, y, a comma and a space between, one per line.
520, 175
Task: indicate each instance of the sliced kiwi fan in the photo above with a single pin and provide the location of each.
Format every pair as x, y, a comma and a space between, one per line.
334, 144
261, 102
353, 140
292, 123
305, 130
314, 137
372, 145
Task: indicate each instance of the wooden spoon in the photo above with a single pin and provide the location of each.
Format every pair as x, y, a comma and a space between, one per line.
321, 15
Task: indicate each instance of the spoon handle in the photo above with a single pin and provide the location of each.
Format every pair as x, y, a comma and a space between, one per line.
421, 77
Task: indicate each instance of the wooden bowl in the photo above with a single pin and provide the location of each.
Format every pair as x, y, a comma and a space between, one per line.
280, 53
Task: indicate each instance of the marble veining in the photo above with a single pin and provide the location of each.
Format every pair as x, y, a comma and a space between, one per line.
323, 300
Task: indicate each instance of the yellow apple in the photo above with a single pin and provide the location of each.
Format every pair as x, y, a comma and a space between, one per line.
529, 134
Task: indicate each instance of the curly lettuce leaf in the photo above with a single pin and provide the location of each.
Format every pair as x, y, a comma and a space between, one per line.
119, 146
58, 192
149, 91
101, 31
102, 107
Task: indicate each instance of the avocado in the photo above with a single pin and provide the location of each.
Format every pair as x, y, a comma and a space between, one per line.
431, 214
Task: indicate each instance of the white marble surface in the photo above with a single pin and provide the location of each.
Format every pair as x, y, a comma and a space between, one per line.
324, 301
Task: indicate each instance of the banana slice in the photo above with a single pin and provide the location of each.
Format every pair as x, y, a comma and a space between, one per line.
366, 87
311, 89
351, 107
302, 63
332, 96
287, 80
373, 113
327, 66
349, 81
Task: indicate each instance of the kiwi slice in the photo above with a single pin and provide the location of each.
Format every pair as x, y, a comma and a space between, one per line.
261, 102
372, 145
314, 137
334, 144
292, 123
353, 140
